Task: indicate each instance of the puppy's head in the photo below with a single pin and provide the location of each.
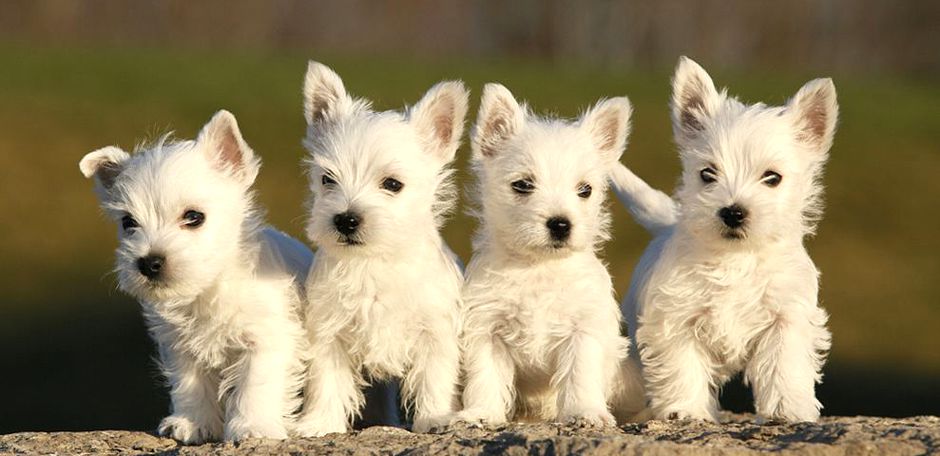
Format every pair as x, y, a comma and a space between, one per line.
542, 182
181, 208
380, 180
750, 172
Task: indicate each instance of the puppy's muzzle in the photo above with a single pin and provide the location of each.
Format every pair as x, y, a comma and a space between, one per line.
559, 228
733, 216
151, 266
347, 223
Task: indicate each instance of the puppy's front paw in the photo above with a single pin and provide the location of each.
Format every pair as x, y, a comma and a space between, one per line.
588, 418
187, 430
311, 426
239, 428
678, 415
424, 424
478, 418
795, 413
764, 421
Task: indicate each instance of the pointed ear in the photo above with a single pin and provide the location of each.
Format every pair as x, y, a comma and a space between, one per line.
439, 118
608, 123
104, 165
222, 141
324, 93
500, 118
815, 112
694, 99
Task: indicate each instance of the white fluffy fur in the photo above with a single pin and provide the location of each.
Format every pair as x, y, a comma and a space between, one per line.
704, 306
384, 301
225, 310
541, 334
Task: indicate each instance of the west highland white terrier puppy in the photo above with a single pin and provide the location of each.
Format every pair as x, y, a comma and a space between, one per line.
541, 335
384, 290
220, 292
727, 285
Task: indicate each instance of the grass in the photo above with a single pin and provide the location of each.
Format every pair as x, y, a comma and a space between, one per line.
877, 245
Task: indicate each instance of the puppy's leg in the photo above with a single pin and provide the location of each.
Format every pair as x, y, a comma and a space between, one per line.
196, 415
432, 380
490, 373
581, 380
258, 404
786, 365
333, 396
678, 376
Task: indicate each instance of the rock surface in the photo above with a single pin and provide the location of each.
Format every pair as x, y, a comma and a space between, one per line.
739, 434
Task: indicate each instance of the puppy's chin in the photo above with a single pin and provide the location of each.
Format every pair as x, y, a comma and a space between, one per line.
154, 291
150, 292
558, 245
351, 242
551, 250
734, 235
351, 247
561, 247
712, 234
735, 240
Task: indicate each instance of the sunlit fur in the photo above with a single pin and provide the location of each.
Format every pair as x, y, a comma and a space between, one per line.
541, 336
225, 311
707, 302
384, 303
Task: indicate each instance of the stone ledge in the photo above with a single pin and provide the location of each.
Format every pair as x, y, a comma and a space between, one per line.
738, 435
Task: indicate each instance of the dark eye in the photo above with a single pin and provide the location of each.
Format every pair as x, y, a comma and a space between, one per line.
584, 190
393, 185
128, 222
771, 178
708, 175
327, 180
193, 219
523, 186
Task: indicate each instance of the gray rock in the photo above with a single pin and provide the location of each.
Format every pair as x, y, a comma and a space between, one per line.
738, 434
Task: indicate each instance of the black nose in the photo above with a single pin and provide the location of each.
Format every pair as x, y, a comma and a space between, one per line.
733, 215
559, 228
150, 265
346, 223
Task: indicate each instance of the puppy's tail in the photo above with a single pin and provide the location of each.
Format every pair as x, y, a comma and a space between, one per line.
284, 253
651, 208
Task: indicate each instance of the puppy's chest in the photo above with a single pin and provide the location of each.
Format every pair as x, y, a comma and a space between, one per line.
724, 307
386, 297
531, 311
379, 312
212, 339
214, 344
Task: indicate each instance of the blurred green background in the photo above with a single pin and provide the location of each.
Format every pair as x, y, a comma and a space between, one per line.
75, 76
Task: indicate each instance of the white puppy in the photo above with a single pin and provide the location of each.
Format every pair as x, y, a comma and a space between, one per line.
727, 284
384, 289
220, 293
541, 334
